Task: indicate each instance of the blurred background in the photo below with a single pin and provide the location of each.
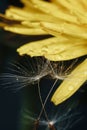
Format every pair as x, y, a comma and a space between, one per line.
11, 103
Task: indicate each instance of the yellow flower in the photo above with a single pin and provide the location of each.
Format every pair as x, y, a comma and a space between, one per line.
66, 21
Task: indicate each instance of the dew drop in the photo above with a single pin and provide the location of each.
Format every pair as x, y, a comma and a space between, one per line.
70, 88
45, 49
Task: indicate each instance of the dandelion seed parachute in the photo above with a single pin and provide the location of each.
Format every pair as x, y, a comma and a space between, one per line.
20, 75
40, 67
61, 117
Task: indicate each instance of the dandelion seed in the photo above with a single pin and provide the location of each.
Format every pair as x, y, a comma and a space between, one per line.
30, 71
51, 126
59, 118
53, 119
25, 75
22, 75
36, 124
61, 71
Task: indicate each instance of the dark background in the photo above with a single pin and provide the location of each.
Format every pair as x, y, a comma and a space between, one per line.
10, 103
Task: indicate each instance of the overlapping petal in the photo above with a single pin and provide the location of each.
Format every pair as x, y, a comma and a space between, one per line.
56, 48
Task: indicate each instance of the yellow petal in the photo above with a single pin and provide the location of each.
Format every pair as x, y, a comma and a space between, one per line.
84, 2
55, 49
8, 20
25, 30
53, 9
65, 28
39, 48
68, 52
20, 14
44, 6
29, 7
71, 85
70, 5
31, 24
